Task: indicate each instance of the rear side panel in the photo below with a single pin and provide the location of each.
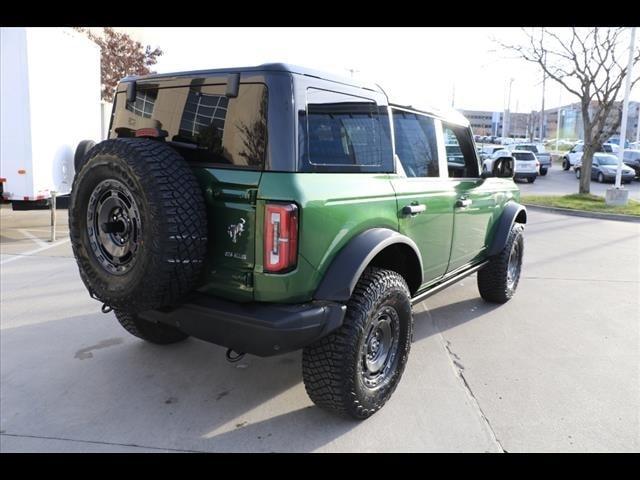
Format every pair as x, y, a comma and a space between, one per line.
334, 208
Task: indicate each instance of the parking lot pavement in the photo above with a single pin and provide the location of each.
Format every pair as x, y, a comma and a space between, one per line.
555, 369
559, 182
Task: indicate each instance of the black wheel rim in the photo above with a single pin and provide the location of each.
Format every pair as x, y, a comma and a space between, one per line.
513, 266
380, 347
114, 226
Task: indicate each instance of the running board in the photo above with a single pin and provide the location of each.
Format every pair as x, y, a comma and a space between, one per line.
447, 283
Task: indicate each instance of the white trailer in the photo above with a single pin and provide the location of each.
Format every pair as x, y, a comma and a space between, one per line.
49, 102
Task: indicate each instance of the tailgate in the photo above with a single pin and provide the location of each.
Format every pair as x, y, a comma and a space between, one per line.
230, 197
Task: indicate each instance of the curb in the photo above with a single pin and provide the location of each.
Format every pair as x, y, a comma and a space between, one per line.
582, 213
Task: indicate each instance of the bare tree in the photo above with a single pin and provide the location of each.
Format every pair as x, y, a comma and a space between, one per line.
586, 64
121, 55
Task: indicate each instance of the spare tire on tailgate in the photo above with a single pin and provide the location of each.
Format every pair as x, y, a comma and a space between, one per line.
138, 224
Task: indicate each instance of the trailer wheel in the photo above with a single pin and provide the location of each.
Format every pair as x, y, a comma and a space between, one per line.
137, 224
81, 152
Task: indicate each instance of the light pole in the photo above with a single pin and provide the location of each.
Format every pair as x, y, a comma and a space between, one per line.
507, 113
558, 120
616, 197
544, 77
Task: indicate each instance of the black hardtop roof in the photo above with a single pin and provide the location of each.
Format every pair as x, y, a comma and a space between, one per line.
449, 114
265, 67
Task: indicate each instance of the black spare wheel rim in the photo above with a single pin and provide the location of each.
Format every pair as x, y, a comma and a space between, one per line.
114, 226
379, 350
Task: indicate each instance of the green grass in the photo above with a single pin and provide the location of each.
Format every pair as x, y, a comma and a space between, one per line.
585, 202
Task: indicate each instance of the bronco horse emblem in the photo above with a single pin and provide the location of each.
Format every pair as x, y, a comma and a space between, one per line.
235, 230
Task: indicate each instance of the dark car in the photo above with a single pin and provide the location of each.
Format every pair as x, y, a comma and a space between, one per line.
631, 158
604, 168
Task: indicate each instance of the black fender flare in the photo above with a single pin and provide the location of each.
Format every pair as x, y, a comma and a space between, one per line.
512, 212
343, 273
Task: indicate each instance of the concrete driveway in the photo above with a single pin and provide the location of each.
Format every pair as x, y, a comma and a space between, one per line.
555, 369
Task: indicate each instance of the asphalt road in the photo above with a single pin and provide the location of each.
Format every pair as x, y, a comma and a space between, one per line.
560, 182
555, 369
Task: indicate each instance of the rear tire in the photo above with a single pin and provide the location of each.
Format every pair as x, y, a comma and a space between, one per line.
355, 369
578, 173
543, 171
566, 165
497, 282
531, 179
600, 177
157, 333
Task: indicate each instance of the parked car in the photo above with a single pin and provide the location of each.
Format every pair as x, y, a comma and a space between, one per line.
488, 151
575, 154
632, 159
616, 141
538, 150
526, 165
263, 209
604, 167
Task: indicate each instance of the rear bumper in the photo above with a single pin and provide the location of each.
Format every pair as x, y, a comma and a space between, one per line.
525, 175
262, 329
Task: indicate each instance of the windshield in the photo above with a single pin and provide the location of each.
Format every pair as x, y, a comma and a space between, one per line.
606, 160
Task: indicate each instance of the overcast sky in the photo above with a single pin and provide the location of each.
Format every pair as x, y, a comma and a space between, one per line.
413, 65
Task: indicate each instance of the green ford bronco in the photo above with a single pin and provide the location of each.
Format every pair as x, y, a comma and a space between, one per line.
275, 208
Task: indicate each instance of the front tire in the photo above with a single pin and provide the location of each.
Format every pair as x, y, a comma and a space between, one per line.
543, 171
566, 165
578, 173
600, 177
157, 333
354, 370
497, 282
531, 179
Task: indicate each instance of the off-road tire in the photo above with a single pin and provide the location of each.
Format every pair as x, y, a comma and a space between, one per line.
82, 150
566, 165
158, 333
172, 237
492, 279
331, 367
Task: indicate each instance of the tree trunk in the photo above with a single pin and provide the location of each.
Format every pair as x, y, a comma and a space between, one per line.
585, 177
587, 154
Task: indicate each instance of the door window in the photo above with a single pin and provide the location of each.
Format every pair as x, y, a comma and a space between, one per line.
416, 144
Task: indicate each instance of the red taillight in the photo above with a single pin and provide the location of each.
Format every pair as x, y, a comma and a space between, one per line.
280, 237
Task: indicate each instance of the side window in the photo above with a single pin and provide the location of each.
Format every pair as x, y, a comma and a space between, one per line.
344, 133
462, 161
416, 144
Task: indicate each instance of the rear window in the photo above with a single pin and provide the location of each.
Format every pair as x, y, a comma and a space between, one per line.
344, 133
530, 148
523, 156
200, 121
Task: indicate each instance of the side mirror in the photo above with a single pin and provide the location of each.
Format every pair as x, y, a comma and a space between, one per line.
503, 167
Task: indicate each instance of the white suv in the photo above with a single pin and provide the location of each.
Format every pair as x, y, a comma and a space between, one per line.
526, 165
575, 154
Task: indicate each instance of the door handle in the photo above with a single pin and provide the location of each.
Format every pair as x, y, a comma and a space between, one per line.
463, 203
413, 209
